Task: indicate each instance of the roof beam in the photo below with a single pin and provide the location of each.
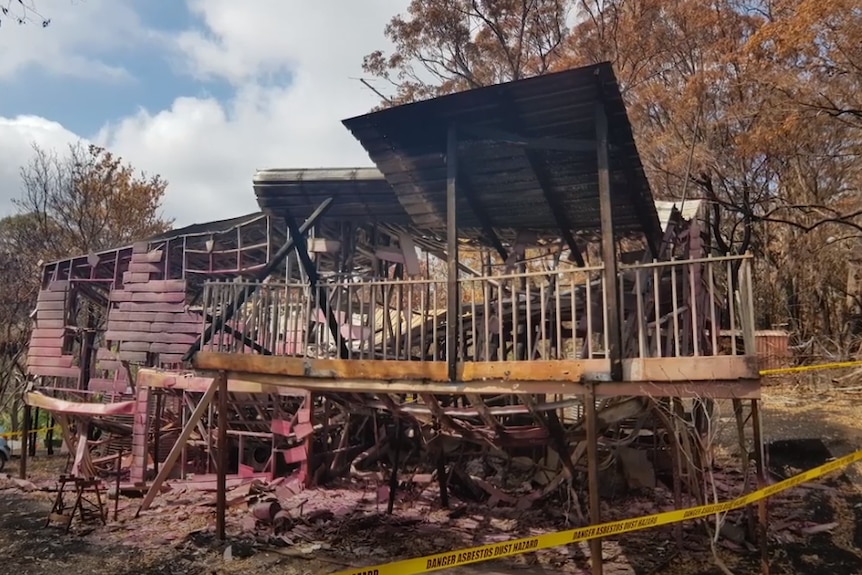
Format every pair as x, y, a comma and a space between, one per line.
481, 214
557, 210
544, 181
502, 136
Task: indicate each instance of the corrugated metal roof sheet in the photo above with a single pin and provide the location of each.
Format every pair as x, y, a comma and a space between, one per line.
359, 193
689, 210
408, 145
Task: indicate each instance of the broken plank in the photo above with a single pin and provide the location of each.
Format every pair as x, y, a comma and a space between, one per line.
101, 384
147, 297
47, 333
135, 277
49, 342
61, 361
133, 356
50, 314
155, 317
106, 353
45, 352
70, 372
145, 268
152, 307
160, 286
152, 257
150, 337
109, 364
160, 348
47, 295
156, 327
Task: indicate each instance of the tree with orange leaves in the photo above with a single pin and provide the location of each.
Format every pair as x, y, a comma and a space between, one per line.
453, 45
85, 201
751, 106
88, 200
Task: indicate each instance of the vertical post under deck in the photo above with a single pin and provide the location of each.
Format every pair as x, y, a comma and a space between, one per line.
609, 253
157, 432
761, 483
221, 479
590, 419
25, 443
452, 299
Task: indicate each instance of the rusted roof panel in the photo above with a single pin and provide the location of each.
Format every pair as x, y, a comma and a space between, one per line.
361, 194
408, 145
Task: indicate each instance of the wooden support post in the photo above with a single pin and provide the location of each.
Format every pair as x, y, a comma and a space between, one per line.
221, 480
25, 442
118, 470
49, 435
593, 476
393, 479
452, 299
746, 467
609, 251
762, 517
178, 447
157, 432
443, 479
32, 437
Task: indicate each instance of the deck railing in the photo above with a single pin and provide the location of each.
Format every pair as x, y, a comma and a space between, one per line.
677, 308
668, 309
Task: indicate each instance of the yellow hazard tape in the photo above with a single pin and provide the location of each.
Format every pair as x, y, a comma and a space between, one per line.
802, 368
10, 434
481, 553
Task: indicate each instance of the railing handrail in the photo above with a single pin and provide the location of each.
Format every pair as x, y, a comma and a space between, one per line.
587, 269
684, 261
405, 282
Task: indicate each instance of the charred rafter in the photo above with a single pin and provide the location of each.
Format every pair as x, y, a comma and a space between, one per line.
544, 181
481, 214
321, 300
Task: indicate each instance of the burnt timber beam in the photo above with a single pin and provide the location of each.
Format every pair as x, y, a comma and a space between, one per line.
452, 296
242, 337
221, 474
261, 275
179, 446
320, 297
557, 209
609, 252
482, 215
505, 137
544, 181
652, 229
591, 420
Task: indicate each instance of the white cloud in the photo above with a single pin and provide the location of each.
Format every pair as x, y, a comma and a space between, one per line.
208, 150
81, 33
17, 136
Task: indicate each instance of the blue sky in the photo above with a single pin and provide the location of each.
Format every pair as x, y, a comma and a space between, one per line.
156, 78
202, 92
